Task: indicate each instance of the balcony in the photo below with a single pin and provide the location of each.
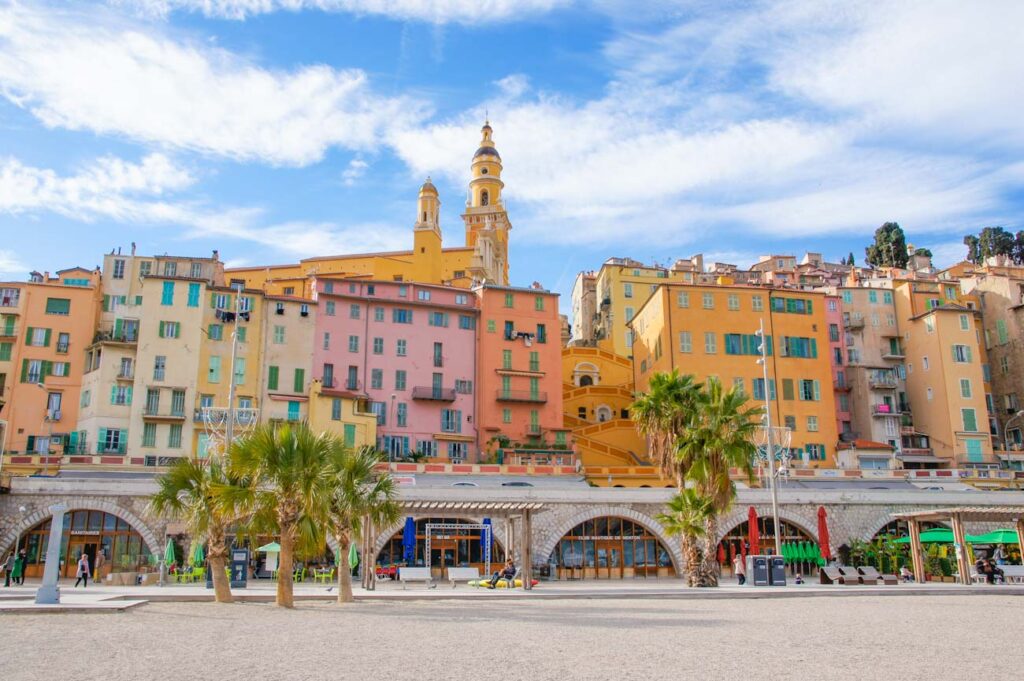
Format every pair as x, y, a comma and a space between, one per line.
893, 353
53, 415
125, 375
853, 323
426, 392
154, 414
131, 338
883, 410
882, 382
10, 299
8, 331
533, 429
521, 396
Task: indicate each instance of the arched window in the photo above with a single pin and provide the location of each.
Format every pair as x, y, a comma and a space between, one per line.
604, 414
424, 216
586, 380
610, 547
484, 198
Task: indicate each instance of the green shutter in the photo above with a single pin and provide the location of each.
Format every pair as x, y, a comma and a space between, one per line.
272, 378
28, 335
177, 329
810, 307
102, 439
118, 328
128, 395
350, 435
24, 371
814, 348
817, 391
122, 444
113, 394
300, 380
160, 329
45, 369
787, 388
46, 338
970, 358
106, 303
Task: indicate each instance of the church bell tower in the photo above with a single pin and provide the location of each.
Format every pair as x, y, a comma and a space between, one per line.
487, 224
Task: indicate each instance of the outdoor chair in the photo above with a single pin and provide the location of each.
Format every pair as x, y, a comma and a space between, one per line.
325, 577
830, 575
299, 575
850, 576
873, 576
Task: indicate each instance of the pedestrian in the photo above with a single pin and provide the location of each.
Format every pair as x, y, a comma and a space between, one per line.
999, 555
739, 569
83, 571
18, 574
9, 568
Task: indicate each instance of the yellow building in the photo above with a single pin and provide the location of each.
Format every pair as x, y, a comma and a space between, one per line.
946, 380
483, 257
709, 331
338, 412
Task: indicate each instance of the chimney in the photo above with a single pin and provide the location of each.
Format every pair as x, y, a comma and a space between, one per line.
216, 253
133, 248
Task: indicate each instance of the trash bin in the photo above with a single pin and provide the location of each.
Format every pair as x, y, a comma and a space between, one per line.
757, 570
777, 570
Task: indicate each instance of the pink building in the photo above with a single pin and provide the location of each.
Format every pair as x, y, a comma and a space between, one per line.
840, 381
410, 350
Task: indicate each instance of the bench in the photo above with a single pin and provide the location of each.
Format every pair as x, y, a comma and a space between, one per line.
1011, 573
466, 574
415, 574
834, 575
850, 576
873, 576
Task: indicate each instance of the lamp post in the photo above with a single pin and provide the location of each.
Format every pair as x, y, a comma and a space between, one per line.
1006, 427
763, 361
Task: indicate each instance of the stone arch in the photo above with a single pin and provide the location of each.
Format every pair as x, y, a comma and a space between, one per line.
586, 369
739, 515
604, 413
43, 513
883, 519
497, 530
543, 551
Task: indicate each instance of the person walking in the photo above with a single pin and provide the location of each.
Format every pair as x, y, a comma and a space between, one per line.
9, 568
739, 569
18, 574
83, 570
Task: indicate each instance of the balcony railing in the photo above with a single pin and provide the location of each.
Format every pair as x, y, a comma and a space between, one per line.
154, 413
426, 392
883, 410
533, 429
111, 337
9, 301
882, 382
126, 375
521, 396
893, 353
854, 323
8, 331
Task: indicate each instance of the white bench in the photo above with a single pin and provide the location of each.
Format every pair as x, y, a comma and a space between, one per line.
463, 574
1011, 573
415, 574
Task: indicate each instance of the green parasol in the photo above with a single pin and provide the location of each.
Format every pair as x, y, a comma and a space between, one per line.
995, 537
169, 555
936, 535
353, 556
785, 552
198, 556
272, 547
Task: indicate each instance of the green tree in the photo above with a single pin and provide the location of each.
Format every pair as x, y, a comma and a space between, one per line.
290, 491
686, 517
718, 439
927, 252
995, 241
973, 249
889, 248
361, 495
662, 415
193, 492
849, 259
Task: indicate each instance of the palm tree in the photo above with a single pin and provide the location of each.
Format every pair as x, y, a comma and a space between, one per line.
190, 491
686, 518
289, 491
719, 438
662, 414
361, 495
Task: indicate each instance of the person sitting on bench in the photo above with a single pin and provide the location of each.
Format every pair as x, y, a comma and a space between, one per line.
508, 572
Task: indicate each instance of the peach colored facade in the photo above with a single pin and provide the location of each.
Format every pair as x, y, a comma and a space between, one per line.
520, 368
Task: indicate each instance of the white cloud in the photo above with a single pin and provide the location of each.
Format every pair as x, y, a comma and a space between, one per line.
80, 73
11, 267
356, 169
433, 11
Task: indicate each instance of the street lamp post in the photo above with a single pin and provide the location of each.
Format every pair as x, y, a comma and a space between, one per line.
1006, 427
763, 361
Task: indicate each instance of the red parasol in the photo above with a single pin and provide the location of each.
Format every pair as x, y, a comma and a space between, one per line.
826, 551
721, 554
732, 551
753, 535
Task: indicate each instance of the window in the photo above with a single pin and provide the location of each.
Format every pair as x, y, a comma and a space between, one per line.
299, 383
400, 379
506, 415
709, 301
159, 367
629, 313
890, 319
403, 291
929, 324
804, 348
400, 347
118, 269
293, 411
121, 395
758, 389
962, 354
214, 370
378, 346
63, 343
240, 370
461, 298
215, 332
965, 388
353, 311
467, 322
789, 422
810, 390
542, 334
438, 354
464, 387
929, 394
685, 342
510, 331
353, 343
538, 303
170, 329
491, 326
167, 295
873, 297
59, 306
627, 290
174, 436
812, 424
534, 361
329, 308
149, 435
710, 343
438, 319
401, 414
423, 295
451, 421
327, 340
193, 295
152, 401
352, 382
278, 335
1001, 332
506, 359
328, 375
1004, 365
970, 420
787, 389
378, 314
376, 379
832, 305
401, 316
734, 301
39, 338
273, 376
336, 409
683, 299
965, 324
509, 300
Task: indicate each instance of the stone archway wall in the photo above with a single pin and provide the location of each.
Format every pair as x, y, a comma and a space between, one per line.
804, 517
383, 537
551, 526
40, 511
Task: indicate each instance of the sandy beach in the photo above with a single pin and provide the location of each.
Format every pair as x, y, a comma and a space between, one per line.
808, 638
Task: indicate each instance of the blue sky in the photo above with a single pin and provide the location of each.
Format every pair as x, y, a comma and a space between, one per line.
279, 129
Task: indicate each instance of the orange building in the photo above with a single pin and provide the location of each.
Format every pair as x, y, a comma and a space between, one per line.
519, 380
45, 326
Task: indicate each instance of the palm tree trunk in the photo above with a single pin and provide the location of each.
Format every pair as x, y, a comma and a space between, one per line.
218, 554
691, 553
344, 568
285, 592
710, 574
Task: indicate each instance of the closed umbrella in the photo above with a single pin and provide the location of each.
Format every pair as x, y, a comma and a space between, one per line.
721, 554
785, 552
823, 538
753, 535
409, 541
198, 556
169, 555
353, 556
